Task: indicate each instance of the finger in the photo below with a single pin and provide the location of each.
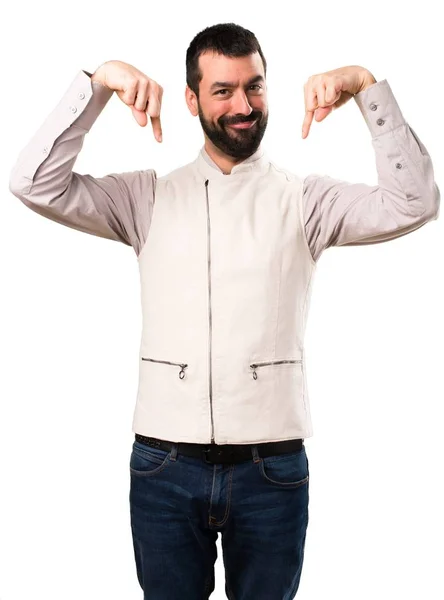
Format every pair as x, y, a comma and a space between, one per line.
320, 93
142, 95
330, 94
157, 128
129, 95
307, 123
322, 112
310, 106
140, 116
154, 105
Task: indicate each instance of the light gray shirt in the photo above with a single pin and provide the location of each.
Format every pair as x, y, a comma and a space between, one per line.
119, 206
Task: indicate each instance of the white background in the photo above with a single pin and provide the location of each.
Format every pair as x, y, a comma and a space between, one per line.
70, 316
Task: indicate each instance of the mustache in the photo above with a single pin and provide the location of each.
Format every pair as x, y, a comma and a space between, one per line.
253, 117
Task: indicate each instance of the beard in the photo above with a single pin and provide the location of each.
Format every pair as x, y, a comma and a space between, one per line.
237, 143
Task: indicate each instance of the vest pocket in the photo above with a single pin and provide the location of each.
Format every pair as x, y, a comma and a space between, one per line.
255, 366
182, 366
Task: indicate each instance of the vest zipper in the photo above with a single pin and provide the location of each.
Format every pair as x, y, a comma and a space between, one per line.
209, 311
273, 362
166, 362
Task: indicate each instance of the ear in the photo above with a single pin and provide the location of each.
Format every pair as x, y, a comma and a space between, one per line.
191, 100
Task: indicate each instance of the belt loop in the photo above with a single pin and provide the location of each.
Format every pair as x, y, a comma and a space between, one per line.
173, 453
256, 457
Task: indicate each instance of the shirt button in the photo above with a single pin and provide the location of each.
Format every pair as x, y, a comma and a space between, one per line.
398, 166
73, 109
373, 107
81, 95
380, 121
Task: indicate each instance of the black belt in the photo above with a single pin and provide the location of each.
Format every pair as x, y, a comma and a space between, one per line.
224, 453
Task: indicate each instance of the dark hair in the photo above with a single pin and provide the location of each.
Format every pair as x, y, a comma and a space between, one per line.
228, 39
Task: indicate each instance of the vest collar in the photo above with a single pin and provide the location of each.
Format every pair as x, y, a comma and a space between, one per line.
257, 163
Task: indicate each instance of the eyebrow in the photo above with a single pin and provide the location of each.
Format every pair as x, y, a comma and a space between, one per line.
230, 84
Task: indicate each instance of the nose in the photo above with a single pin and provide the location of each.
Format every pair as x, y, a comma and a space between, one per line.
240, 104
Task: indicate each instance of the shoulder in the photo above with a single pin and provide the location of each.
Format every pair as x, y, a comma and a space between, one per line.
284, 173
178, 174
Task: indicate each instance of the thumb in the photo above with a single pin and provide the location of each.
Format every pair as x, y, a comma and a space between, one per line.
322, 112
140, 116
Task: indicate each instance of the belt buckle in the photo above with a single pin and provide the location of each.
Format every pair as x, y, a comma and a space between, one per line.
214, 455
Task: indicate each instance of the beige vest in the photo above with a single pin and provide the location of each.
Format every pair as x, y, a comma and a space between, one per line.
226, 277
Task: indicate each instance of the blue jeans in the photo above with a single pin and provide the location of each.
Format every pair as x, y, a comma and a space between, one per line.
179, 504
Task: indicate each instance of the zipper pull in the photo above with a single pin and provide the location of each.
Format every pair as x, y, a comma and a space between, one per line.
254, 371
182, 372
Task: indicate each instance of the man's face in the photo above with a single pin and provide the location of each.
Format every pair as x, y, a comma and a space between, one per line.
233, 91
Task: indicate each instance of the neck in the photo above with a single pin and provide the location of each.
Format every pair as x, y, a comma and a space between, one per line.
222, 160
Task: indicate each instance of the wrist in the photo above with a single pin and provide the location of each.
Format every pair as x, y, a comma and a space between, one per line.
367, 81
99, 75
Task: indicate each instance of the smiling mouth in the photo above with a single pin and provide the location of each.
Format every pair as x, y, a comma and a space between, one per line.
244, 125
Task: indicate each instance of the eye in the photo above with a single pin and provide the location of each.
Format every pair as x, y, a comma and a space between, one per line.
256, 85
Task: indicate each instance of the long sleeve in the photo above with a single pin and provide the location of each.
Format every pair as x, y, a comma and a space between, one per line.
340, 213
117, 206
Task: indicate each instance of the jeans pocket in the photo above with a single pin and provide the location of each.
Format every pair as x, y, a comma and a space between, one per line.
285, 470
147, 461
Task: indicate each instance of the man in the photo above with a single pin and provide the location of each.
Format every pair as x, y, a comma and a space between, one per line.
227, 247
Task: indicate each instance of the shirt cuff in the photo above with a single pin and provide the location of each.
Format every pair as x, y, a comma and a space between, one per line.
97, 94
379, 108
